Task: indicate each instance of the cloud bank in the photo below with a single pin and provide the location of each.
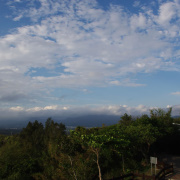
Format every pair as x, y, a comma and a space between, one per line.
63, 112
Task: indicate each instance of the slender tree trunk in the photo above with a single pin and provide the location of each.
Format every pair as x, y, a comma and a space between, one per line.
96, 151
145, 154
74, 174
123, 163
99, 168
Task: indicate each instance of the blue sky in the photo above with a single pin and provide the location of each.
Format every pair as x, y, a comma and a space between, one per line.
76, 57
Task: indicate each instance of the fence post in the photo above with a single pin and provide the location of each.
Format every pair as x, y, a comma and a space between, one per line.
132, 175
143, 177
164, 172
172, 168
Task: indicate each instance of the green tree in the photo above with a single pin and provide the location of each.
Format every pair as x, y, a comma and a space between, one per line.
15, 161
54, 136
162, 119
126, 120
142, 134
33, 136
102, 140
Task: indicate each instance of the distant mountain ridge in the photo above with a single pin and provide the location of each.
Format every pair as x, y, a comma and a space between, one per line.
86, 121
92, 120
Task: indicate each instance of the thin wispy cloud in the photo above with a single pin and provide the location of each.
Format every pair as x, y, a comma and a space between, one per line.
175, 93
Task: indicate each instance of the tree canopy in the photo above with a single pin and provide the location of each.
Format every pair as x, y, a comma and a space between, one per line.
49, 152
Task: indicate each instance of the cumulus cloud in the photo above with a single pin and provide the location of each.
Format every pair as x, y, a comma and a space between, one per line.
63, 112
85, 46
167, 12
17, 108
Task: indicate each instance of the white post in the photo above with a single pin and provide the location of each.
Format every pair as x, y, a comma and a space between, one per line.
151, 168
153, 160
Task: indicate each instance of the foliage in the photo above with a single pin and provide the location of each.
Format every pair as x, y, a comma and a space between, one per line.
126, 120
44, 152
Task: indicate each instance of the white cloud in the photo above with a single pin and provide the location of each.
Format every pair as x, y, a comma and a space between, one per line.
17, 18
85, 46
63, 112
36, 109
75, 111
126, 82
167, 12
17, 108
176, 93
138, 21
54, 107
